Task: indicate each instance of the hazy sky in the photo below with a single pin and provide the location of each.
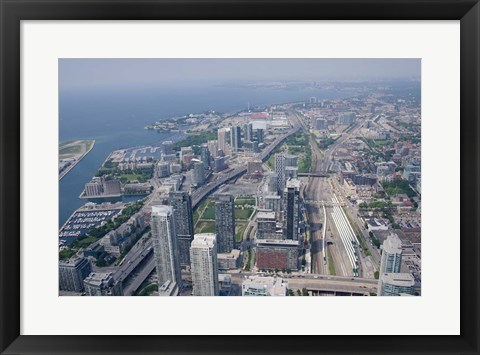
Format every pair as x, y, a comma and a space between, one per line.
107, 72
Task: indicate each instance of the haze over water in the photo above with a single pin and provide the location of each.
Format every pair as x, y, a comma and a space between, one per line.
115, 118
111, 100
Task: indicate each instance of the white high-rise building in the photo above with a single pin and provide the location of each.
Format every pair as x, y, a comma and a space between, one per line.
213, 148
204, 267
165, 247
391, 261
391, 255
222, 139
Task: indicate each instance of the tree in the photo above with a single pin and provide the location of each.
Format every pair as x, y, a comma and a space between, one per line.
290, 292
305, 292
299, 293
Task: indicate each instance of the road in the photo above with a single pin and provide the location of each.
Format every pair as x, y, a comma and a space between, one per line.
320, 282
202, 192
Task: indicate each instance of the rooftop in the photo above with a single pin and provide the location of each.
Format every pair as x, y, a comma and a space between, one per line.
405, 280
204, 240
265, 215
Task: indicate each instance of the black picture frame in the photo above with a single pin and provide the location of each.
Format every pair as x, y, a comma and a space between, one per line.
14, 11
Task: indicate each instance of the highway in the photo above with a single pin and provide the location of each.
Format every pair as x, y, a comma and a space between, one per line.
316, 282
204, 191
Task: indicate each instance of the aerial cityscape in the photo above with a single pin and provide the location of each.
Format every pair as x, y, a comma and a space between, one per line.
286, 178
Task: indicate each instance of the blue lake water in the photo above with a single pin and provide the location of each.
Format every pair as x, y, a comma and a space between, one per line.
115, 118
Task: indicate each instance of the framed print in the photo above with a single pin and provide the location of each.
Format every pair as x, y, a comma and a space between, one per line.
226, 171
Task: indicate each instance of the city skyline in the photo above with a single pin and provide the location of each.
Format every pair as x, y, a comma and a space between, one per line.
316, 194
89, 73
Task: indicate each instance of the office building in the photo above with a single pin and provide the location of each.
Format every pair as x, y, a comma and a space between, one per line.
391, 260
219, 164
266, 225
347, 118
280, 171
291, 172
273, 202
213, 148
249, 146
395, 284
102, 284
283, 161
203, 257
272, 182
163, 169
205, 155
249, 132
236, 138
391, 255
166, 148
320, 124
229, 261
264, 286
290, 160
182, 210
198, 173
225, 222
222, 139
165, 247
260, 135
291, 209
72, 272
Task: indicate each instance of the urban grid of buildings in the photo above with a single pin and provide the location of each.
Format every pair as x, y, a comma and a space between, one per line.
311, 198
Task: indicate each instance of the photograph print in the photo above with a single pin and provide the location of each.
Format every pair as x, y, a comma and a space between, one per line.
239, 177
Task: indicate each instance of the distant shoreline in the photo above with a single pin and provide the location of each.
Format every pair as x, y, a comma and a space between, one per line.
67, 170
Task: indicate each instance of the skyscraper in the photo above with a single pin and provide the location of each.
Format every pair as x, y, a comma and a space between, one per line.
166, 147
236, 138
260, 134
205, 155
72, 272
249, 132
203, 256
182, 210
225, 222
280, 171
213, 148
165, 245
198, 173
266, 225
222, 139
391, 255
282, 162
291, 209
391, 261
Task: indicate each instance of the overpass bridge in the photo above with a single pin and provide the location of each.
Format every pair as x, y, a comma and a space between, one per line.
200, 194
313, 174
321, 284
